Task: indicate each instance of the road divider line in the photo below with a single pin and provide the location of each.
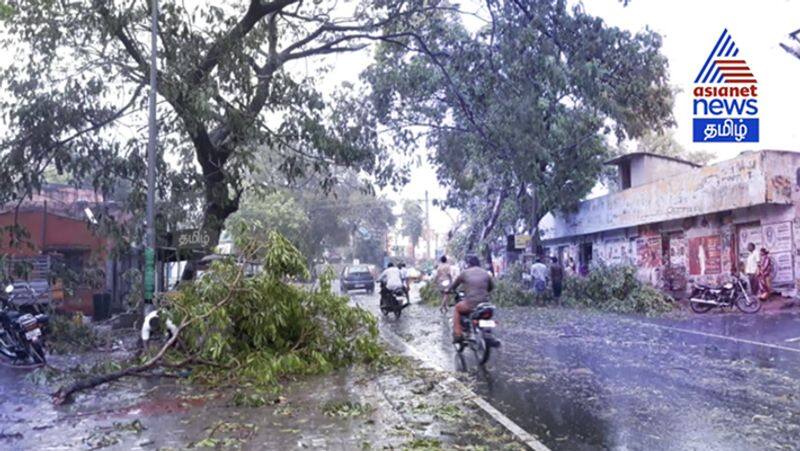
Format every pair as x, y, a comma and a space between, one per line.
792, 340
518, 432
725, 337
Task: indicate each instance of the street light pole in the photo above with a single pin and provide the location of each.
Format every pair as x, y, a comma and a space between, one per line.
150, 231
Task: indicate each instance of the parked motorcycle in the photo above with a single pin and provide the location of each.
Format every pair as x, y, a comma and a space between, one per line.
735, 292
393, 302
477, 328
21, 334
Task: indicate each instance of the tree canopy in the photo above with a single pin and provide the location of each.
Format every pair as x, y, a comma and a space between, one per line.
74, 96
314, 221
413, 221
525, 110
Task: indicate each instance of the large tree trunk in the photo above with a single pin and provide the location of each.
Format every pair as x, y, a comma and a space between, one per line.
479, 240
219, 204
533, 226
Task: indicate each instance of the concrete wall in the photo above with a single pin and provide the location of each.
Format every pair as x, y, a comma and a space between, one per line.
706, 247
646, 169
753, 178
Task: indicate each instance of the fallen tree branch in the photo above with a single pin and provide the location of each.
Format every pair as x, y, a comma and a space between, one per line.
64, 394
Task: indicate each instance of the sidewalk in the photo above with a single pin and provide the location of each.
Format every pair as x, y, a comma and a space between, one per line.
398, 407
776, 304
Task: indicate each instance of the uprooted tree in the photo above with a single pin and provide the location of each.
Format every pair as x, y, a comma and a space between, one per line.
254, 330
521, 112
232, 83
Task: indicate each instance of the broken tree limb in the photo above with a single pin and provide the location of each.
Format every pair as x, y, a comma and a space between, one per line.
64, 394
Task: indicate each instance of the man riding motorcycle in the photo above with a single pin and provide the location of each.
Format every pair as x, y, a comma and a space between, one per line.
478, 283
390, 280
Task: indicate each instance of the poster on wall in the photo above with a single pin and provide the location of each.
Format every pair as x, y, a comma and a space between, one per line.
784, 271
747, 235
677, 251
648, 251
777, 237
615, 251
705, 255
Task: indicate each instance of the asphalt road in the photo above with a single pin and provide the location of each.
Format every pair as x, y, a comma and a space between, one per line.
586, 380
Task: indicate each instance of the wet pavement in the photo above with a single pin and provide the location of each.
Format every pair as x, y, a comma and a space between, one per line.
585, 380
395, 406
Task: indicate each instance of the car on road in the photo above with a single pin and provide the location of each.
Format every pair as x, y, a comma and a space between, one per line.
357, 277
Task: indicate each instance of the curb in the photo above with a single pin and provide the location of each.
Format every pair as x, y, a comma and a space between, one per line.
520, 434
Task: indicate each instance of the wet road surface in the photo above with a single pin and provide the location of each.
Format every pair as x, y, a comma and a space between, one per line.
585, 380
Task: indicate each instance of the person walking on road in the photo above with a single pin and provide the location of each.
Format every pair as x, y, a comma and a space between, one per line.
751, 268
443, 279
539, 276
766, 269
556, 277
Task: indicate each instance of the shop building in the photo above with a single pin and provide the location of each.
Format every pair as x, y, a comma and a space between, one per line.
679, 223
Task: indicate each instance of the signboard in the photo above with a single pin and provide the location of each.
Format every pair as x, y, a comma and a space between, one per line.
149, 273
784, 272
777, 237
705, 255
521, 242
192, 239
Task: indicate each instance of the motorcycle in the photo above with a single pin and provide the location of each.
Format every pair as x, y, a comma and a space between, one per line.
22, 335
735, 292
392, 301
477, 328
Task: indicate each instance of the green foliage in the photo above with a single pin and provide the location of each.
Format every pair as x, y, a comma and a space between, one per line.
615, 289
512, 289
509, 293
226, 95
413, 221
71, 335
269, 328
283, 259
523, 113
430, 294
346, 409
6, 11
277, 211
314, 221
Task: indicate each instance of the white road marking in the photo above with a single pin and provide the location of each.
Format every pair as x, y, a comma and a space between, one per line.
792, 340
724, 337
521, 434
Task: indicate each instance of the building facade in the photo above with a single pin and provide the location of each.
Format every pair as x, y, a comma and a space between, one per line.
59, 239
680, 223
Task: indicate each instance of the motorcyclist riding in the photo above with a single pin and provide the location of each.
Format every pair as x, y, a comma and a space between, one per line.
404, 278
390, 280
477, 284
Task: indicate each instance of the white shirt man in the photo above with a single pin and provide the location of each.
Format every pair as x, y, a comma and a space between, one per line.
539, 275
751, 264
391, 276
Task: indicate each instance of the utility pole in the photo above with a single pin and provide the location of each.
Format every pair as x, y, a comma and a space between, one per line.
427, 227
150, 231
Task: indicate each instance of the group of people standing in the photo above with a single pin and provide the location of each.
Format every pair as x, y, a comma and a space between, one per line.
760, 270
550, 269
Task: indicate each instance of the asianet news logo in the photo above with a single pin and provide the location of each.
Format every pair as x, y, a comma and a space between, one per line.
725, 96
